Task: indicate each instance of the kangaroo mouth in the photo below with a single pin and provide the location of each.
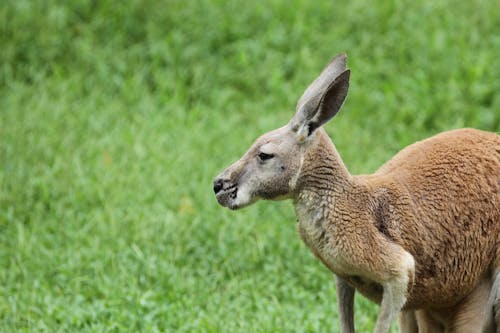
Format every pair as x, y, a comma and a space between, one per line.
227, 196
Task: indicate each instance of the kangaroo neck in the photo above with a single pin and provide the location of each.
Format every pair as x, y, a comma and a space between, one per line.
322, 171
327, 200
325, 188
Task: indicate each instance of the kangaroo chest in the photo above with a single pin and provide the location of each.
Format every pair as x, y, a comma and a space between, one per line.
332, 249
317, 234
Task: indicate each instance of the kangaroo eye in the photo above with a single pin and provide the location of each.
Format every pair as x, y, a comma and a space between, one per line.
264, 156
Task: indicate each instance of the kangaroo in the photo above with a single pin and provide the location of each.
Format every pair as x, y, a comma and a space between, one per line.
420, 236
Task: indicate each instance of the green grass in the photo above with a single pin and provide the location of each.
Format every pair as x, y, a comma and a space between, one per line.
116, 116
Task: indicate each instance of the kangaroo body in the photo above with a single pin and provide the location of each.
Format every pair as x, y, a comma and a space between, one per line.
420, 236
433, 199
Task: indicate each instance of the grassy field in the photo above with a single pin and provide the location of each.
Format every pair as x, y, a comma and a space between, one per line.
116, 116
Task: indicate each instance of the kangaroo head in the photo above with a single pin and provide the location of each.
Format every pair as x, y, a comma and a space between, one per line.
271, 167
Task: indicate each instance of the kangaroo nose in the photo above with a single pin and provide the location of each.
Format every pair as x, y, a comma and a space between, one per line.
218, 185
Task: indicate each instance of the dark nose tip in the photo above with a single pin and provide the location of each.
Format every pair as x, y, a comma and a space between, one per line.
218, 185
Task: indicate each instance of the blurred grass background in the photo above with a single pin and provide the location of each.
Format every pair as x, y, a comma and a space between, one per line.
115, 117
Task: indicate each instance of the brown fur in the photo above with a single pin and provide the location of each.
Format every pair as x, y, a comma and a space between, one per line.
468, 315
434, 199
446, 195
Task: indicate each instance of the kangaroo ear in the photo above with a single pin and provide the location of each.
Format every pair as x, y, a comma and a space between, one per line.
323, 98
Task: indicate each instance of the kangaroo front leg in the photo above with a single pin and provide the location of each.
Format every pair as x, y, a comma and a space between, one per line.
345, 299
395, 291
